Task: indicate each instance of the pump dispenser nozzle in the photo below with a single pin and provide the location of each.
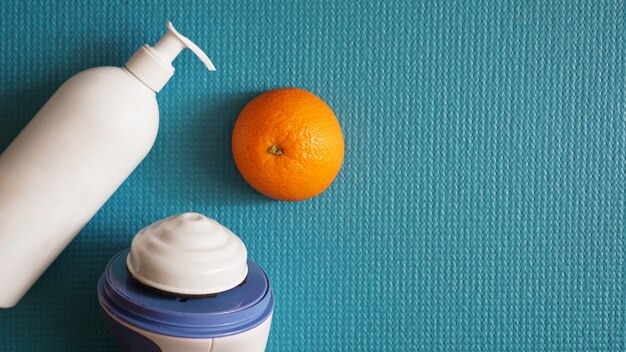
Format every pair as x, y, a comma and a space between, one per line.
153, 65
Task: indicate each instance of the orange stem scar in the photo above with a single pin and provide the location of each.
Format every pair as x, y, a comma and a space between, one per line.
275, 150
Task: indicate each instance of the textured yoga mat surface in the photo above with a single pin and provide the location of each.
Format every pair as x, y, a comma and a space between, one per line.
481, 205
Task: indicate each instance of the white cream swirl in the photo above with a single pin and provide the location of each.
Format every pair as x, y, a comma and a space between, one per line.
188, 254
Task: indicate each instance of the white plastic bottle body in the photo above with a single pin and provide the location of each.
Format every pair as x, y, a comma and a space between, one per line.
65, 164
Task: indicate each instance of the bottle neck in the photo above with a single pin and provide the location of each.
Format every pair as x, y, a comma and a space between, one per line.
148, 67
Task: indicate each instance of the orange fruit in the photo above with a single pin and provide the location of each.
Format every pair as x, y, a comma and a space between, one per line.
287, 144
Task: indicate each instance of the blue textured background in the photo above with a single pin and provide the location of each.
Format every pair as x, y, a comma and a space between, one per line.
482, 202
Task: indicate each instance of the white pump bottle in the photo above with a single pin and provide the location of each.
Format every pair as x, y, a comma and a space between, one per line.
74, 154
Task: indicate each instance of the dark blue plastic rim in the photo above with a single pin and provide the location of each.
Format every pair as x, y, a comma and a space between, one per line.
232, 312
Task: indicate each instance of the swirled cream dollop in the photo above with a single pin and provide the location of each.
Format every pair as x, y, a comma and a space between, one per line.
188, 254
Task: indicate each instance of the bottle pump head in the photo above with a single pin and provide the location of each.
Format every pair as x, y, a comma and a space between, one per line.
153, 65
